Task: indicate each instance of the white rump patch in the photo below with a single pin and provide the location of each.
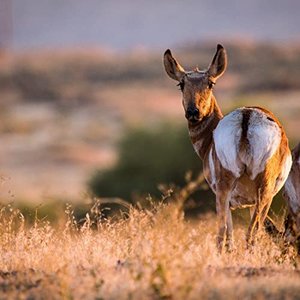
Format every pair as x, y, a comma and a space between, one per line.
290, 190
227, 136
264, 137
286, 168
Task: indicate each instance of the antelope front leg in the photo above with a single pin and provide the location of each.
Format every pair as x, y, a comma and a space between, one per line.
229, 233
222, 212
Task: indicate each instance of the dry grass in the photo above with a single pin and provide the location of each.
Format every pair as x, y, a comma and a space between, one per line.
149, 254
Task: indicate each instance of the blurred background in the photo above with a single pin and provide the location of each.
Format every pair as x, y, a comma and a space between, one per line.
86, 107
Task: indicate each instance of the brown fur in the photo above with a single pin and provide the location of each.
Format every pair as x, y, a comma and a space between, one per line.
292, 224
203, 130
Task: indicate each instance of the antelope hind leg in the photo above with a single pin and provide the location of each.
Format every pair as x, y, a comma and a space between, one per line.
259, 219
269, 226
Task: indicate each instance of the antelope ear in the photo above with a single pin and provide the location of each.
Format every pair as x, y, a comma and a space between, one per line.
219, 63
172, 67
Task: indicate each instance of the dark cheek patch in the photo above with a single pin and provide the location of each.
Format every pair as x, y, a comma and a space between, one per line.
205, 104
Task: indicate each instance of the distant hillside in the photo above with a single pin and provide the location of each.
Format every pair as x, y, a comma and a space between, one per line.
78, 76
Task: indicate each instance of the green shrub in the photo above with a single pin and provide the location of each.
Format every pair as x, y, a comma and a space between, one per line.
148, 157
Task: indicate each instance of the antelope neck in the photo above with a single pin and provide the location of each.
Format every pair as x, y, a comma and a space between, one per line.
201, 133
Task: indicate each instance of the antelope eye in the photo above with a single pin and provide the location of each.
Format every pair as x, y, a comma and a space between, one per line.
181, 85
210, 85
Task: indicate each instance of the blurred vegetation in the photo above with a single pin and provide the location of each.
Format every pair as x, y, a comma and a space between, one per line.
147, 158
53, 211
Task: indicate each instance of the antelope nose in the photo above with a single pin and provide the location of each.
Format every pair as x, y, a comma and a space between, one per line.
192, 112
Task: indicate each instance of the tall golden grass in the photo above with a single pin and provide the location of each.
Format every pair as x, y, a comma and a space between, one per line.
146, 254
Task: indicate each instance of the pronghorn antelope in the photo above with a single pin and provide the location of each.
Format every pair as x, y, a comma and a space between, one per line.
291, 193
245, 154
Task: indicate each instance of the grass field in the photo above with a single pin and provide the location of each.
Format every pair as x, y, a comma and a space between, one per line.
146, 254
62, 116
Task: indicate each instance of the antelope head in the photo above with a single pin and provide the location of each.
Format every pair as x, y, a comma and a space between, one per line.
196, 86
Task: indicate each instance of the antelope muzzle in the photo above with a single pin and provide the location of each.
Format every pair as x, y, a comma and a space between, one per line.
192, 114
